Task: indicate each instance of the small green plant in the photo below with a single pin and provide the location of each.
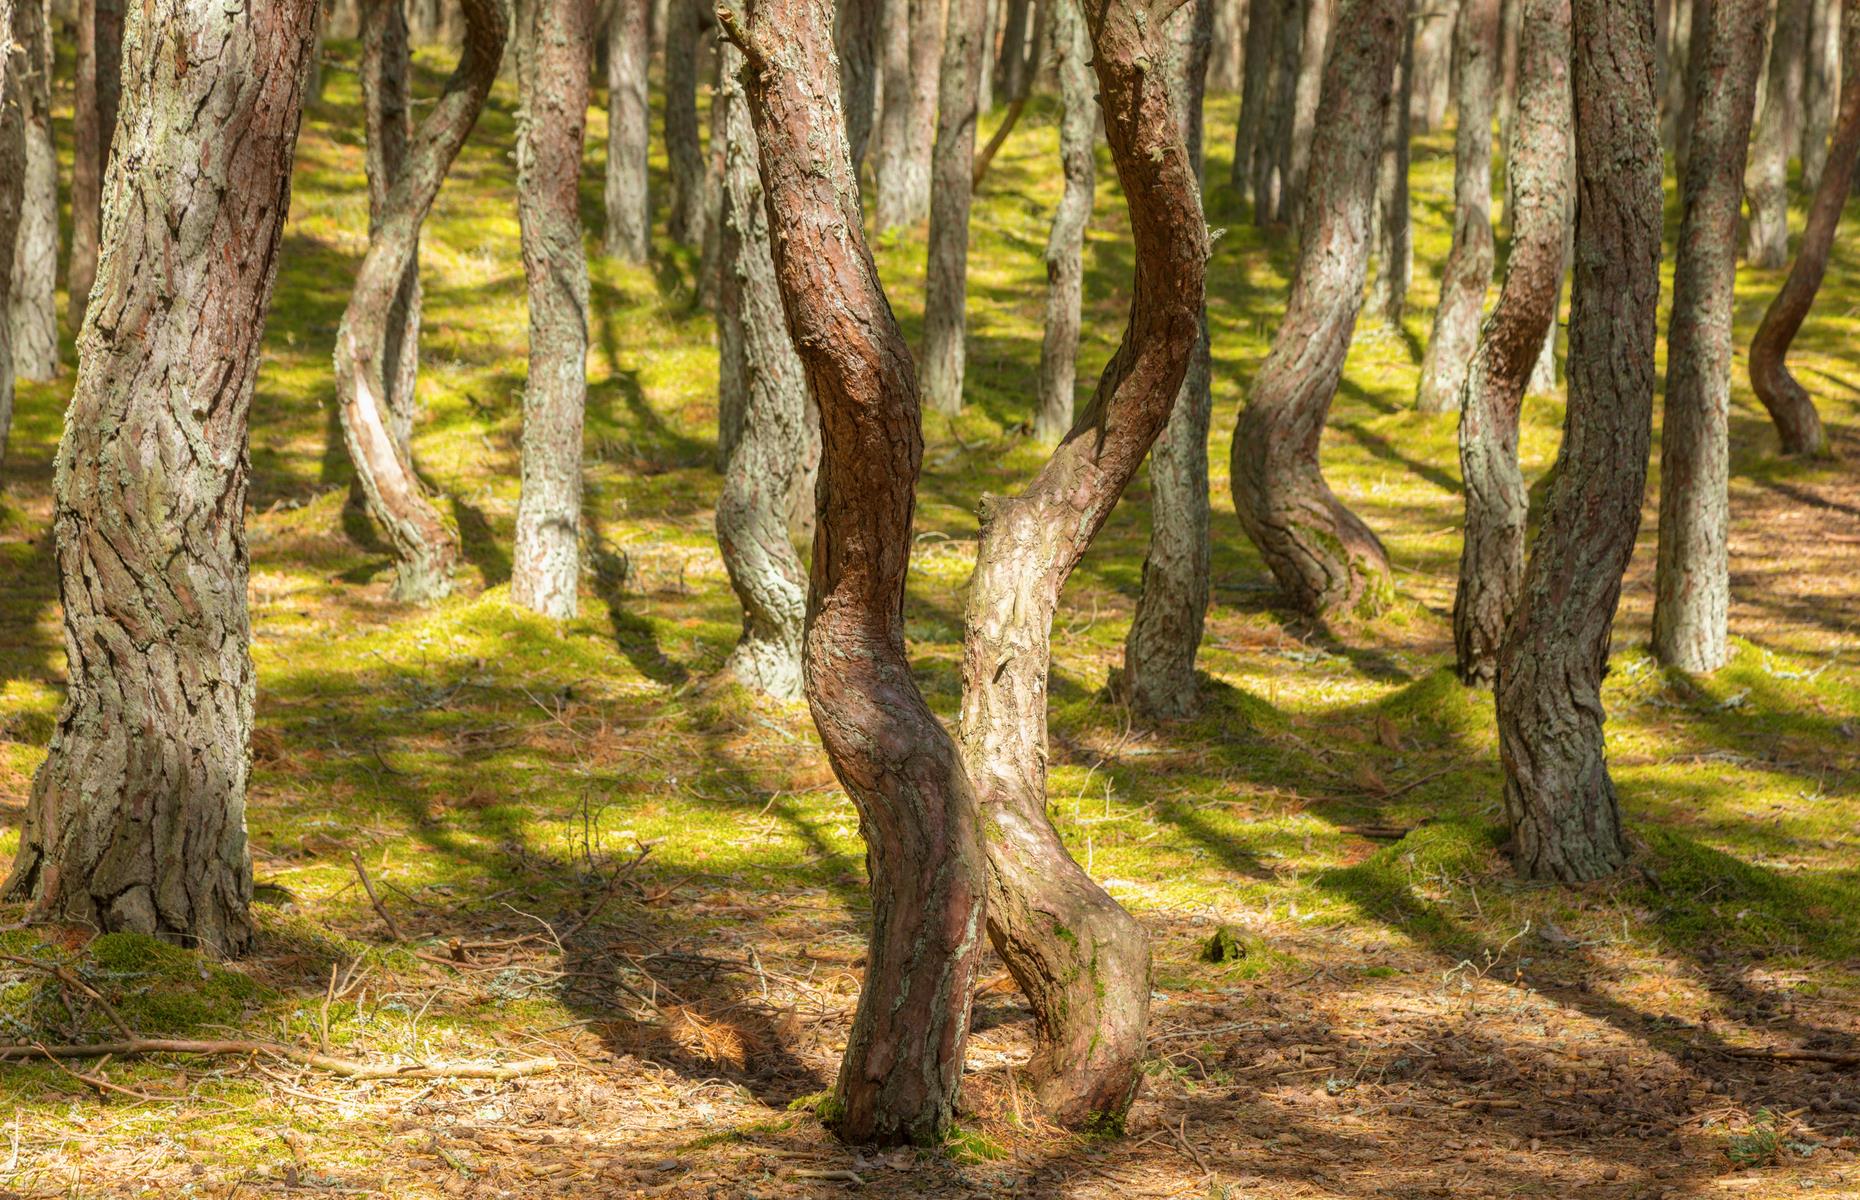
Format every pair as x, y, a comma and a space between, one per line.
1757, 1145
971, 1146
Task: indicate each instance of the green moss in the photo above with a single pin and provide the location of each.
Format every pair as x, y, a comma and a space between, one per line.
971, 1146
163, 989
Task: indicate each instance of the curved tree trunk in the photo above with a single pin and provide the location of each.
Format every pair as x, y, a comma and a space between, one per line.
941, 367
1262, 35
425, 548
629, 132
769, 395
137, 816
858, 36
1321, 553
917, 811
1313, 42
689, 21
1165, 631
13, 70
1065, 268
554, 52
1565, 820
1081, 960
31, 309
1492, 554
1766, 181
387, 107
1394, 230
1018, 103
1468, 270
1798, 425
93, 124
1693, 580
1820, 87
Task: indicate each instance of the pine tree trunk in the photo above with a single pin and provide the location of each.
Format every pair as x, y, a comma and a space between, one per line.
1510, 17
629, 131
946, 284
1820, 83
387, 108
1798, 425
985, 85
31, 310
767, 392
1065, 269
1468, 270
1429, 69
1322, 554
1394, 232
1565, 820
1766, 181
1165, 631
1262, 35
137, 816
1272, 162
1011, 64
689, 23
1696, 43
859, 36
903, 1063
93, 124
1693, 581
13, 69
1314, 41
554, 50
1224, 65
425, 548
1678, 28
896, 179
1492, 553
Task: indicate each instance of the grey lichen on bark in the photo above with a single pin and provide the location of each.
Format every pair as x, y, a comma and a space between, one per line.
31, 308
1065, 245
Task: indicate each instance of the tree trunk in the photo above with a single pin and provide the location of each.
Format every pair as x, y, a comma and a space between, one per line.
1065, 271
917, 810
1321, 553
1696, 43
387, 106
895, 172
1798, 425
1678, 26
93, 124
1492, 553
1081, 960
137, 816
767, 392
1565, 820
1256, 72
946, 285
1224, 65
1018, 103
985, 84
31, 310
1693, 581
859, 36
13, 70
1429, 67
1766, 181
1394, 231
1468, 270
425, 548
1012, 62
1820, 82
554, 51
629, 133
1314, 41
1510, 17
1272, 163
1165, 631
690, 21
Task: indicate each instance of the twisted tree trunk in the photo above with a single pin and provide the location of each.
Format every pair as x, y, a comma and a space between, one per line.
137, 816
13, 69
1321, 553
858, 37
387, 108
689, 22
1065, 268
1693, 580
554, 51
425, 548
1394, 231
1492, 553
1468, 270
93, 124
629, 131
1565, 820
943, 363
1798, 425
1766, 181
31, 309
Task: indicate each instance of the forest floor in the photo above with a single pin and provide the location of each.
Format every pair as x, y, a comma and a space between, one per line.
587, 849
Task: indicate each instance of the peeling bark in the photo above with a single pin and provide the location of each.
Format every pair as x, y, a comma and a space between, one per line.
387, 108
31, 308
1766, 181
1393, 226
626, 194
942, 366
1065, 268
93, 124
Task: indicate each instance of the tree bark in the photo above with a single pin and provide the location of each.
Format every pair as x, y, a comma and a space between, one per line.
1165, 631
894, 171
946, 285
1766, 181
1820, 84
1081, 960
1224, 65
1394, 231
425, 548
1696, 43
690, 22
137, 816
1677, 19
629, 132
387, 107
1430, 71
1565, 820
1272, 163
1693, 581
1510, 17
858, 35
1322, 554
13, 70
1468, 270
918, 813
1492, 553
1314, 41
31, 310
1798, 425
554, 50
1012, 62
1065, 269
93, 124
1018, 103
1262, 35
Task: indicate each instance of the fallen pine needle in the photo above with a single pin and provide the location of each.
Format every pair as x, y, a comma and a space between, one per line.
349, 1068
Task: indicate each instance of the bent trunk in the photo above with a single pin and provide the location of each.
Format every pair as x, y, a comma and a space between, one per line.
946, 283
388, 116
1078, 126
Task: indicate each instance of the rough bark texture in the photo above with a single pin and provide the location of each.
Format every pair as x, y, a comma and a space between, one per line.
387, 108
1693, 581
137, 816
1313, 42
1565, 821
1676, 23
629, 132
1272, 162
1255, 86
1430, 74
858, 36
93, 124
917, 811
1468, 270
689, 23
1165, 631
906, 198
1492, 553
1393, 228
894, 169
13, 68
1798, 425
554, 51
31, 308
1081, 960
1696, 40
1012, 62
1820, 88
769, 397
1321, 553
1065, 268
425, 547
1766, 181
941, 367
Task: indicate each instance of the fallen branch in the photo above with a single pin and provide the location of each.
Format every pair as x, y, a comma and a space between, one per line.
1845, 1058
346, 1067
368, 885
